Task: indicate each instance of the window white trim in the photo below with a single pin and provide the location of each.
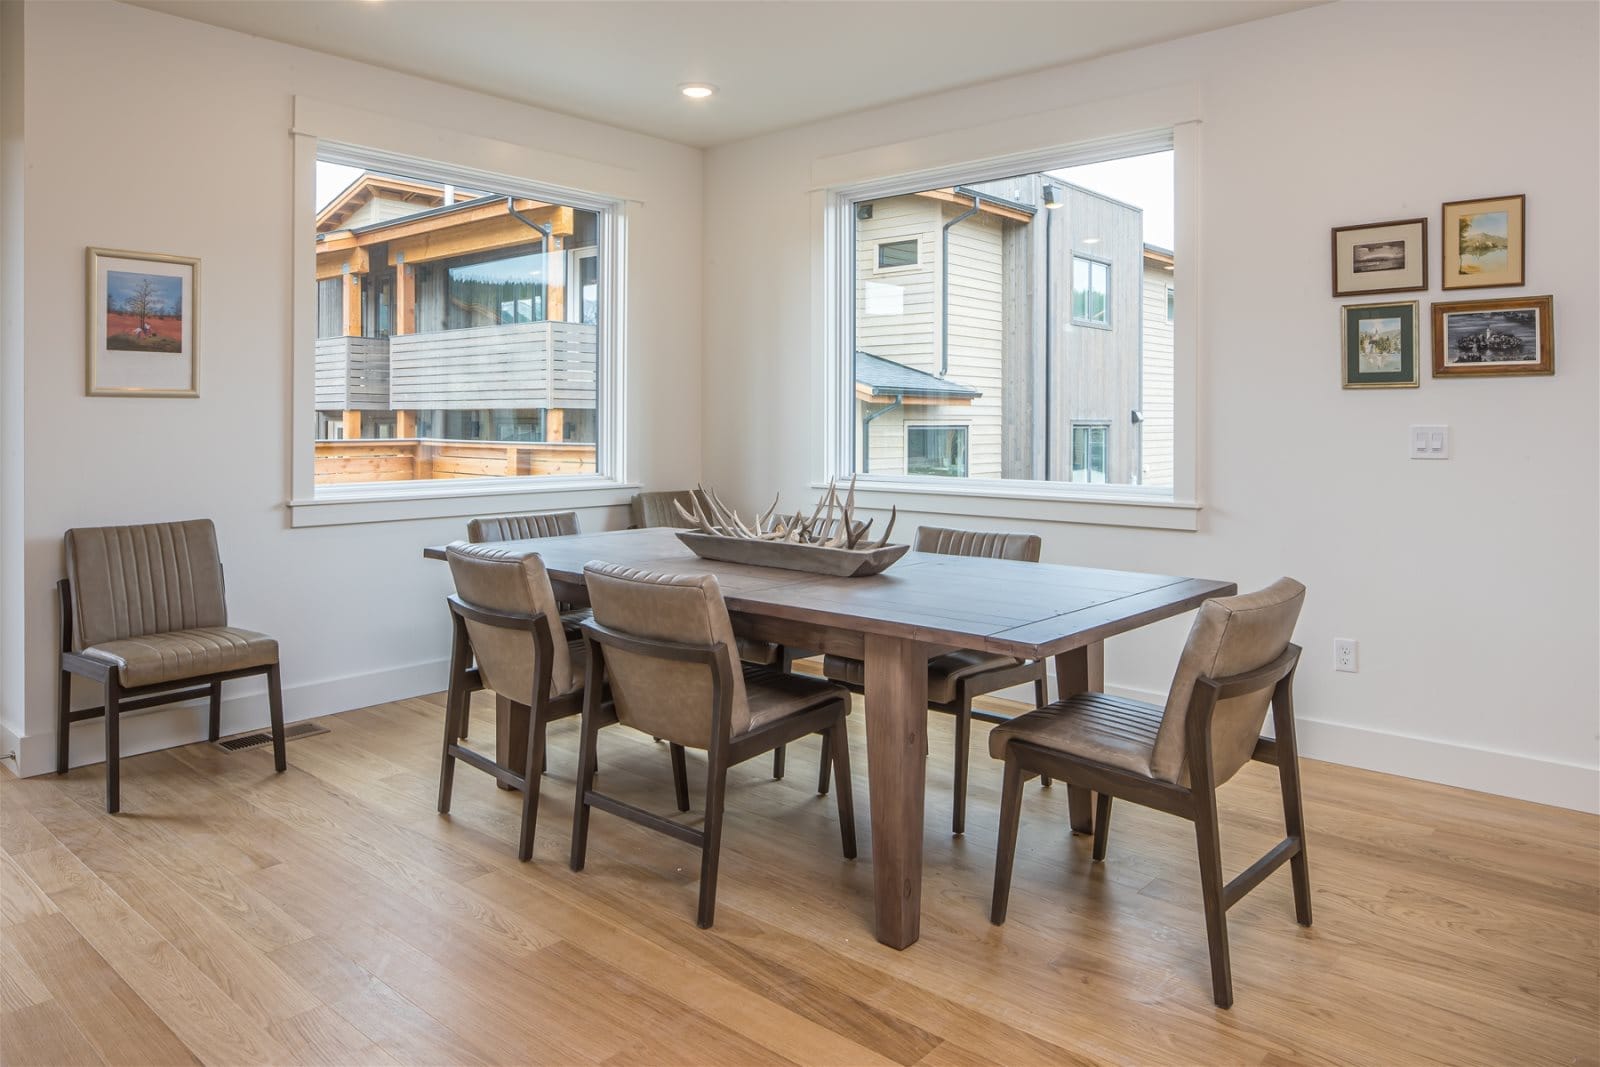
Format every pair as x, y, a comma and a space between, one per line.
896, 268
1093, 261
1047, 141
359, 138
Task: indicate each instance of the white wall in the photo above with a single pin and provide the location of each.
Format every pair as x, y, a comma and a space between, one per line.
1471, 584
154, 133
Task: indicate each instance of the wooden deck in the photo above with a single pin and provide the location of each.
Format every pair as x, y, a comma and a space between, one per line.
329, 915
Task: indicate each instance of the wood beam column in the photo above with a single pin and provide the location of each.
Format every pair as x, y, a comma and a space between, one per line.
352, 305
352, 425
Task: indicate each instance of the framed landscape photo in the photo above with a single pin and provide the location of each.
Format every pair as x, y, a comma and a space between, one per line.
1494, 338
1483, 245
1380, 257
1380, 345
143, 324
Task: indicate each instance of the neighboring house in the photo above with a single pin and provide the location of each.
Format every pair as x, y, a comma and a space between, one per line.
454, 317
944, 284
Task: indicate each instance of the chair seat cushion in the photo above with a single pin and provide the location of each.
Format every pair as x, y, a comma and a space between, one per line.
774, 695
943, 671
1092, 726
179, 655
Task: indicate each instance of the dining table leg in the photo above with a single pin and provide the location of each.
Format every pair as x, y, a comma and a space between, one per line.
510, 737
896, 687
1081, 670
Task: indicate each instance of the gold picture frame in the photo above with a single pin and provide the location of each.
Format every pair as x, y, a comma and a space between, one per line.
1483, 243
143, 324
1506, 338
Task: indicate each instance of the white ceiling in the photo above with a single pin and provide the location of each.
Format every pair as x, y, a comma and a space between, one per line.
778, 63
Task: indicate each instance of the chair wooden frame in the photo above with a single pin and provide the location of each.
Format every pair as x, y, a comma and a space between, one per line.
541, 709
724, 752
120, 699
1197, 803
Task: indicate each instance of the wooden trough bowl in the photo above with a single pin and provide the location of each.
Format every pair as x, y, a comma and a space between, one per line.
790, 556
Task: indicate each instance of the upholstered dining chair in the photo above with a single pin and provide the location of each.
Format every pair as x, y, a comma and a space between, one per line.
656, 509
143, 612
528, 528
1237, 664
663, 646
955, 678
507, 637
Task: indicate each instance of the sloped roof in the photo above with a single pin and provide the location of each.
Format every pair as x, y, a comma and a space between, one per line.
886, 378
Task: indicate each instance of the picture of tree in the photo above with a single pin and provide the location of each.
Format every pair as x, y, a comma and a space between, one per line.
144, 312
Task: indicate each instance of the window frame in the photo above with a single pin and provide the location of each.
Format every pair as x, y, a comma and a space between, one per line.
323, 131
944, 424
1089, 425
1093, 262
896, 268
1163, 119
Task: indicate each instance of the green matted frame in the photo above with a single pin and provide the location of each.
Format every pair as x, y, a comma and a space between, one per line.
1408, 376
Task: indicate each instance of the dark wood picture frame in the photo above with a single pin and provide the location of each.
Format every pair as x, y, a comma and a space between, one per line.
1411, 279
1543, 308
1516, 206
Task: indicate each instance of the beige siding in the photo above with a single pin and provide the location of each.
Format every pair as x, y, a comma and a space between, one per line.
897, 314
977, 337
1156, 358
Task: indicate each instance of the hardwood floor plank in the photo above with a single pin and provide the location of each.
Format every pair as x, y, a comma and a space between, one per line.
42, 1035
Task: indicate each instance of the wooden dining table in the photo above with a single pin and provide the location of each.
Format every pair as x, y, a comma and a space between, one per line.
922, 606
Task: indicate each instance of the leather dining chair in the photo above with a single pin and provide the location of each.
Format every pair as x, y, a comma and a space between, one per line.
143, 612
1238, 663
528, 528
955, 678
663, 646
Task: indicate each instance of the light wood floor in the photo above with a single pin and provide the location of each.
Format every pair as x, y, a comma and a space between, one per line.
331, 916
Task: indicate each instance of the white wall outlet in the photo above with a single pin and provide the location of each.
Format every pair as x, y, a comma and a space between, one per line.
1346, 655
1430, 442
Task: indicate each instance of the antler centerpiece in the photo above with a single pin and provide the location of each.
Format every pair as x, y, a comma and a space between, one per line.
830, 541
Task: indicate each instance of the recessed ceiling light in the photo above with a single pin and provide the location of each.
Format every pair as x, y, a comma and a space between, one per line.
697, 90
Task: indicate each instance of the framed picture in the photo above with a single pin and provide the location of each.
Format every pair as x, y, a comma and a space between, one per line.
1494, 338
1380, 345
1380, 257
143, 324
1483, 247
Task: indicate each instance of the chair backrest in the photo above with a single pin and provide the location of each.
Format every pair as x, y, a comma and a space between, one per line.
1231, 635
511, 583
655, 509
129, 581
522, 527
945, 542
662, 697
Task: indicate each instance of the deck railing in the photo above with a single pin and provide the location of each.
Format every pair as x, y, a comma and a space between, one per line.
405, 459
525, 365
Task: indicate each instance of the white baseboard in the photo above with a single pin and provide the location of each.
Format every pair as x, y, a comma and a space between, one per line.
1508, 774
1543, 781
244, 708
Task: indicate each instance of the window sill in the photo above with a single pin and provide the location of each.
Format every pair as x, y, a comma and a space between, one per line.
401, 501
1116, 506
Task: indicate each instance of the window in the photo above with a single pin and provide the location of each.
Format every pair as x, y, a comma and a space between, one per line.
1091, 291
1089, 452
460, 325
937, 450
897, 254
967, 362
1170, 305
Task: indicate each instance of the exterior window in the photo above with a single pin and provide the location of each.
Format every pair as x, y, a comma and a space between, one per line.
938, 450
966, 361
1170, 305
1091, 291
897, 254
458, 328
1089, 452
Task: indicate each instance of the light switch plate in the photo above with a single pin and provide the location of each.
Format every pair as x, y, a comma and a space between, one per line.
1430, 442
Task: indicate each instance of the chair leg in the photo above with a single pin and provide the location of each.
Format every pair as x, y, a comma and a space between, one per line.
1205, 828
113, 745
711, 845
63, 723
275, 708
822, 769
530, 785
588, 738
454, 709
846, 789
214, 726
1041, 697
1102, 825
777, 761
1006, 846
958, 820
1293, 816
680, 776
